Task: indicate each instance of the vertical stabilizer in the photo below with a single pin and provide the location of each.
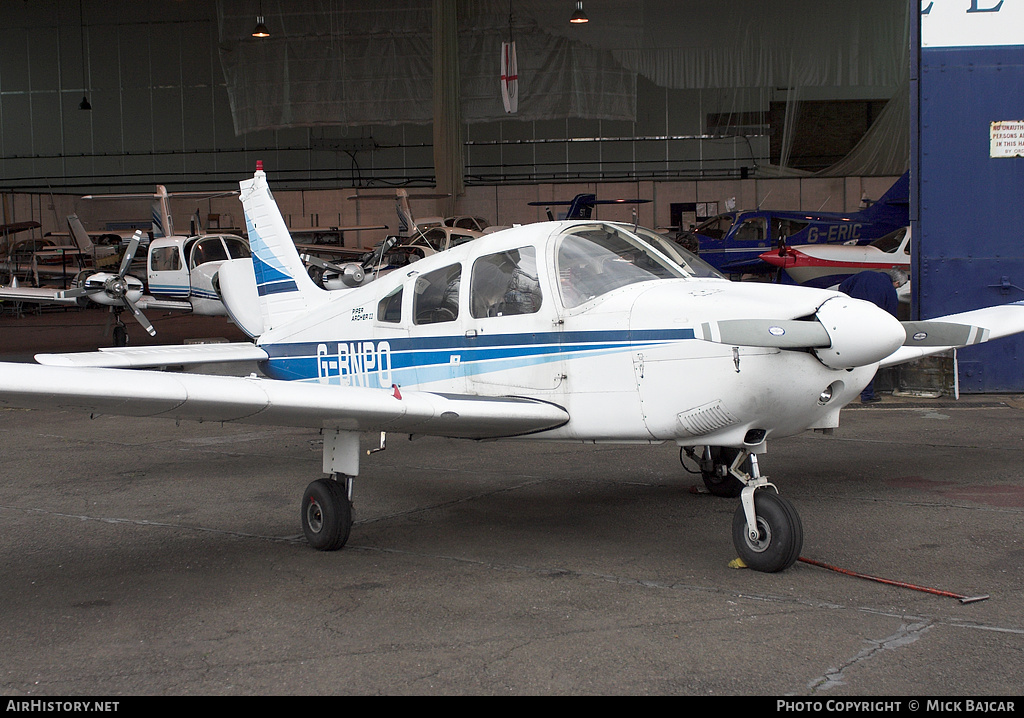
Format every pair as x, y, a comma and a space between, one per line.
893, 206
79, 235
282, 283
406, 223
163, 225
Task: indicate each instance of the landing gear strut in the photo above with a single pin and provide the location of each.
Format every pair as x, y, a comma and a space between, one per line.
120, 331
714, 463
766, 529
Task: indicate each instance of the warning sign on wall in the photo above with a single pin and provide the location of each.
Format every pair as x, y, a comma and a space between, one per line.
1006, 138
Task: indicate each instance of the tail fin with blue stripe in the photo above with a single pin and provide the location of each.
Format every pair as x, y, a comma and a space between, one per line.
282, 283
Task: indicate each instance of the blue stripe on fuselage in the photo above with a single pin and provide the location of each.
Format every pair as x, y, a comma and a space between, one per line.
405, 360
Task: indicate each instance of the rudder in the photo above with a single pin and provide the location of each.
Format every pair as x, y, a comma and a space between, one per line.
284, 288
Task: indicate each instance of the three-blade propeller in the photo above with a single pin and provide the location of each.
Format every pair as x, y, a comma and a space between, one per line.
115, 287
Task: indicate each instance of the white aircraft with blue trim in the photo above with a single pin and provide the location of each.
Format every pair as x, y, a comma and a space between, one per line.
574, 331
180, 269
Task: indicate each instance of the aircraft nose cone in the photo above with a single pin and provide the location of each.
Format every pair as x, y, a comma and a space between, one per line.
861, 333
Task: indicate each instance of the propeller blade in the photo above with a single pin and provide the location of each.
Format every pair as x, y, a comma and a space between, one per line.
129, 255
78, 292
140, 317
782, 334
943, 334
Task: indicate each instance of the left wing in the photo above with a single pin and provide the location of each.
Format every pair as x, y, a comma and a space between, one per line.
36, 295
253, 400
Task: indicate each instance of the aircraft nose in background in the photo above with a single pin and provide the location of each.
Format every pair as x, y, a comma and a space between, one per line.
861, 333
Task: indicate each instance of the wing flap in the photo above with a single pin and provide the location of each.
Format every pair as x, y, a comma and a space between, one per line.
252, 400
172, 355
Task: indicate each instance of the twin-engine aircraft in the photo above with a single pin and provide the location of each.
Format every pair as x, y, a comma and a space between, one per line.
579, 331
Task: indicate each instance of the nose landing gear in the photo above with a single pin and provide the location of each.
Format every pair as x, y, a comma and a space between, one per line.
766, 529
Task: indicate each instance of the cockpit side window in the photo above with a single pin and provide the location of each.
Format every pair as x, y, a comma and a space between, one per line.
206, 250
237, 248
504, 284
437, 296
754, 229
783, 228
165, 259
592, 260
716, 227
687, 260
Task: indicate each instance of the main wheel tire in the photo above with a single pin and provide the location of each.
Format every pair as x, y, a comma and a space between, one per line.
727, 486
780, 534
326, 515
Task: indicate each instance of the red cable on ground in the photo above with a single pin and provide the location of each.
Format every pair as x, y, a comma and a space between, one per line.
901, 584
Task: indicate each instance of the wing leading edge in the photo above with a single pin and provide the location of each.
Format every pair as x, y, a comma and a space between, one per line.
253, 400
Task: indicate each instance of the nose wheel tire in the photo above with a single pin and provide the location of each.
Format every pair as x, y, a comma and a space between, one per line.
780, 534
326, 514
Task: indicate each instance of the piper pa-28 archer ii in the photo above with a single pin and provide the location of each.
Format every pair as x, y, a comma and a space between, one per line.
579, 331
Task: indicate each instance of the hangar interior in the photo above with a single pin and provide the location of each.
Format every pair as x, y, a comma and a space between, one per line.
670, 101
695, 106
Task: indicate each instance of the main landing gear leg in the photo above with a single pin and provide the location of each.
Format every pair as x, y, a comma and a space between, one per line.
327, 504
120, 331
766, 529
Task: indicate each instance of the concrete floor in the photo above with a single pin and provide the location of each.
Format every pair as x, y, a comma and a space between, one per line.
143, 558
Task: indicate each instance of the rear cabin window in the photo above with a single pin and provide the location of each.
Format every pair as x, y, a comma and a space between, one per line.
389, 309
505, 283
437, 296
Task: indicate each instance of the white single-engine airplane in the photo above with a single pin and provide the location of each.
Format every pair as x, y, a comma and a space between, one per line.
578, 331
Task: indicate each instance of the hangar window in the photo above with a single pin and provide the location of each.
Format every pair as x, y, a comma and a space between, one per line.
505, 283
436, 297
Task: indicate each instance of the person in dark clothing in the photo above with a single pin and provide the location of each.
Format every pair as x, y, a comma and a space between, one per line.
879, 288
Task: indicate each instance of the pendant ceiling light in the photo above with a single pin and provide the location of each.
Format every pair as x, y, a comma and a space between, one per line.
261, 26
579, 17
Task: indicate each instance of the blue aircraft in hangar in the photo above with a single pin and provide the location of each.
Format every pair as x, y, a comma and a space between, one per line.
731, 242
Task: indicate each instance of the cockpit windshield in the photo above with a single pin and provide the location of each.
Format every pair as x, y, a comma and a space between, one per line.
693, 265
892, 241
594, 259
